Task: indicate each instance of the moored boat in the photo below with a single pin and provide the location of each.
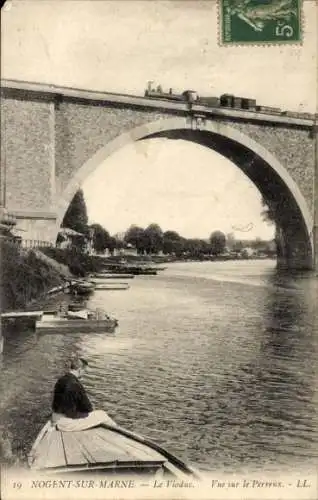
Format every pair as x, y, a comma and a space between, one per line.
100, 284
132, 269
112, 286
106, 449
83, 321
147, 271
81, 287
108, 276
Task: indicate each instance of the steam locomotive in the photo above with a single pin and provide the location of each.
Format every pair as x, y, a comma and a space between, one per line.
224, 101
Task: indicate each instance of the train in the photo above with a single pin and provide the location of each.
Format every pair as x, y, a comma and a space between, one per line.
227, 101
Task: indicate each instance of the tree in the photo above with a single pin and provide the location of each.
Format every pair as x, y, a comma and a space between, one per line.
217, 242
258, 243
171, 235
112, 244
230, 241
172, 243
238, 246
153, 239
196, 247
268, 213
135, 236
76, 214
179, 247
100, 238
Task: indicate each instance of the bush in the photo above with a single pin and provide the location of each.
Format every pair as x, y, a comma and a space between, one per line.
79, 263
24, 277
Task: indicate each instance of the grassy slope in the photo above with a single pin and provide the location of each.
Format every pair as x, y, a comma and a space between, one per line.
23, 277
78, 263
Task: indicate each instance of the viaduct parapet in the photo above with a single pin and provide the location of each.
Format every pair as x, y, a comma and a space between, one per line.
52, 138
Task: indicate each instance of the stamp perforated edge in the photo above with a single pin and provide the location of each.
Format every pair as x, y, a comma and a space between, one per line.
263, 44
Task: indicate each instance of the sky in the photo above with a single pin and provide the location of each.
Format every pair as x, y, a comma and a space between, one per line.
118, 46
210, 194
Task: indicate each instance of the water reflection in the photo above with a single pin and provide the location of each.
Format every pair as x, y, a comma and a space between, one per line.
280, 385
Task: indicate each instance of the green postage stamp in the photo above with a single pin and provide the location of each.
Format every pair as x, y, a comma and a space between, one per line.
260, 21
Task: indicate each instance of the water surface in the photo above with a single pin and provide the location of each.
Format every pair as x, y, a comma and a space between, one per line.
217, 361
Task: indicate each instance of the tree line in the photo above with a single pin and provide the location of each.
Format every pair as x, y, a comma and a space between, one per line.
149, 240
153, 239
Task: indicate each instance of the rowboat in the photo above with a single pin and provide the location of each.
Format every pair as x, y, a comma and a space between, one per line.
144, 271
100, 284
109, 276
75, 321
81, 287
111, 286
132, 269
105, 448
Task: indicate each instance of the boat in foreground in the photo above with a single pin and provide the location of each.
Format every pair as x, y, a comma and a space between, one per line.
82, 321
106, 449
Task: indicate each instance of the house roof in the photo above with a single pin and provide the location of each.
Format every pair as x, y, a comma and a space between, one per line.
70, 232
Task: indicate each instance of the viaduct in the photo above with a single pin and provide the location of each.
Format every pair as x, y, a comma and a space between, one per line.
52, 138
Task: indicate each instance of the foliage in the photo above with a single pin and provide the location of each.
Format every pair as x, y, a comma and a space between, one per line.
79, 263
196, 248
238, 245
230, 241
115, 242
173, 243
217, 242
135, 236
24, 277
153, 239
268, 213
257, 244
76, 215
149, 240
112, 244
59, 239
171, 235
101, 238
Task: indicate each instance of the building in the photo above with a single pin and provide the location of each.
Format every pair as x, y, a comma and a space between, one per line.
68, 238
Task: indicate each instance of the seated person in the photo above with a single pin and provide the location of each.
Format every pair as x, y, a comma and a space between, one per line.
72, 409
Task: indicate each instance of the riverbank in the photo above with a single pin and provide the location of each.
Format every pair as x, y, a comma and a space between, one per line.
79, 264
24, 277
28, 276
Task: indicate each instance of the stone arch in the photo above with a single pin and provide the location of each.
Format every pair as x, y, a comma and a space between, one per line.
265, 171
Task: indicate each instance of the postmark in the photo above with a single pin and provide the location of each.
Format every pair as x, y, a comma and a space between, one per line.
260, 21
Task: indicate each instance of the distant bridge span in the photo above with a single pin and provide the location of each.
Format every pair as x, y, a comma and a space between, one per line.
53, 138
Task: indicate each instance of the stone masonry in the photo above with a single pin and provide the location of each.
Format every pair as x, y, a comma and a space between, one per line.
48, 134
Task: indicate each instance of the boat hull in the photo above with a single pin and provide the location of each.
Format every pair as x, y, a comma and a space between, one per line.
75, 325
81, 291
145, 272
109, 449
102, 286
108, 276
131, 269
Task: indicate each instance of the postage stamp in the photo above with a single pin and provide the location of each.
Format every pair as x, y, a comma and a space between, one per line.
260, 21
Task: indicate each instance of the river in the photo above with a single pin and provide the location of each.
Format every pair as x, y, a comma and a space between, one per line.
217, 361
